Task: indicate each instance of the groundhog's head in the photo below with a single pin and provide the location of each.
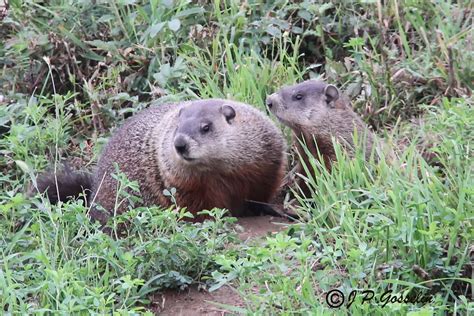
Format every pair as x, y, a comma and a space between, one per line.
202, 132
304, 104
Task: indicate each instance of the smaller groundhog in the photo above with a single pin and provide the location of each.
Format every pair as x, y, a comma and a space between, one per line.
316, 113
216, 153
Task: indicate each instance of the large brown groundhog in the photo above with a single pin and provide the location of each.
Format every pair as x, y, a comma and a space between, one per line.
216, 153
316, 113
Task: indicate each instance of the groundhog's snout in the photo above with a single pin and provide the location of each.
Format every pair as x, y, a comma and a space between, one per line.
274, 104
270, 101
181, 145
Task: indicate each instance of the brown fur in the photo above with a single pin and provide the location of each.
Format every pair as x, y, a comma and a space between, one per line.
242, 160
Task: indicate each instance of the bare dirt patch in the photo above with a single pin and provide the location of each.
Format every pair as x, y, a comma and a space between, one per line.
193, 301
259, 226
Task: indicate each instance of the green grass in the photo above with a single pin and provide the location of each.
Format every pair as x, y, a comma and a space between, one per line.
366, 226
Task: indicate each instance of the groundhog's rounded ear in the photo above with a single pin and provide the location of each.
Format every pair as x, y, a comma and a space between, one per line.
228, 112
331, 92
180, 111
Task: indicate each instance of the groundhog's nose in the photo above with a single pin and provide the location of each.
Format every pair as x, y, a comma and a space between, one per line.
269, 102
181, 145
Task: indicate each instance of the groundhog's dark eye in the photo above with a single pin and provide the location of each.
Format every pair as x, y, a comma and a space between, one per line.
298, 96
205, 128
